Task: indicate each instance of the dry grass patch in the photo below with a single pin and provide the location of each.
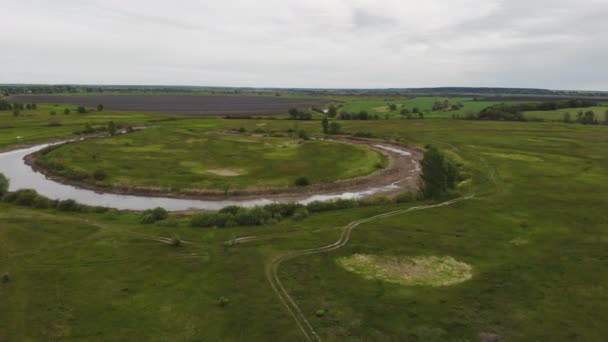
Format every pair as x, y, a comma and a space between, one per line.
420, 270
226, 172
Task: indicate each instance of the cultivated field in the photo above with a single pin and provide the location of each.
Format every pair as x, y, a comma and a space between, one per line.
517, 252
197, 105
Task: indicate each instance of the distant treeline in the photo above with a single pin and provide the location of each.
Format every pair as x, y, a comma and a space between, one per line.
12, 89
514, 112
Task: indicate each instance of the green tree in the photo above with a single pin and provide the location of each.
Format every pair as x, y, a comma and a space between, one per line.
81, 109
438, 174
332, 111
66, 111
334, 128
99, 107
434, 173
294, 113
392, 107
112, 128
325, 124
3, 185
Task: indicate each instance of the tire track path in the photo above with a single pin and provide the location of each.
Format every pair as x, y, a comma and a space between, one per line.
273, 266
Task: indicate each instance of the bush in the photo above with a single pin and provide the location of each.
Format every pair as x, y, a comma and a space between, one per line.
300, 214
99, 175
25, 197
81, 109
302, 134
223, 301
302, 181
4, 183
364, 135
153, 215
407, 197
68, 205
319, 206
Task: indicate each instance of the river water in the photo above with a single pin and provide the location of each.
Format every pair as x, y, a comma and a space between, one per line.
22, 176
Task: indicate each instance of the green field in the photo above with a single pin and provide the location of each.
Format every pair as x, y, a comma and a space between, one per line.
534, 235
177, 159
558, 115
379, 107
39, 125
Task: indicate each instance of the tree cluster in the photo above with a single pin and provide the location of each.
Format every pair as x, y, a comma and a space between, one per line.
438, 173
446, 105
296, 114
362, 115
585, 118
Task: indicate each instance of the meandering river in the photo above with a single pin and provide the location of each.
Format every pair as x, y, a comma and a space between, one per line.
22, 176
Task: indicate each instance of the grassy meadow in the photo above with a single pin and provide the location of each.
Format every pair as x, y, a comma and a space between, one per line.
534, 235
179, 158
381, 108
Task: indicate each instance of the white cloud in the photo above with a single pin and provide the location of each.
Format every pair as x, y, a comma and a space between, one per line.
316, 43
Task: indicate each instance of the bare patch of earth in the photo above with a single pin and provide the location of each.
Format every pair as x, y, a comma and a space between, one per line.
226, 172
419, 270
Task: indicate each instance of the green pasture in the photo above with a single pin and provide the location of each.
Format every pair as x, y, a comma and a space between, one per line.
534, 234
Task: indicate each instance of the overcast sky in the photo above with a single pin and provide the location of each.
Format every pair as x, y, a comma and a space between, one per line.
556, 44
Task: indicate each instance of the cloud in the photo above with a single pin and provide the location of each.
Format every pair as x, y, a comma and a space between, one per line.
554, 44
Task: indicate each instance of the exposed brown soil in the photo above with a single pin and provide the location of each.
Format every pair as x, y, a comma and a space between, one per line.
401, 169
197, 105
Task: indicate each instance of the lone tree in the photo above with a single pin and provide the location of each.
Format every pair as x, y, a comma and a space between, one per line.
294, 113
325, 124
112, 128
334, 128
3, 185
99, 107
332, 111
438, 174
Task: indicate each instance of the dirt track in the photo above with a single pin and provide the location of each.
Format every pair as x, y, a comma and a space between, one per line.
273, 266
196, 105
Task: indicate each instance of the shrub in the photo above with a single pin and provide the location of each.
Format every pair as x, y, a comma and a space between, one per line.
364, 135
406, 197
201, 220
68, 205
99, 175
176, 241
338, 204
6, 278
25, 197
153, 215
4, 183
302, 134
302, 181
223, 301
81, 109
300, 214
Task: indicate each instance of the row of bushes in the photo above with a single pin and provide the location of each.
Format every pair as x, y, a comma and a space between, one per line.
273, 213
30, 198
